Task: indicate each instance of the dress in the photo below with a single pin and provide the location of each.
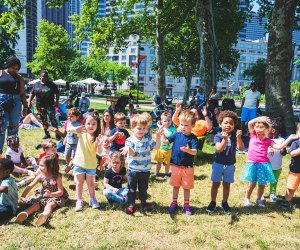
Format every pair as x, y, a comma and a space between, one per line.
51, 185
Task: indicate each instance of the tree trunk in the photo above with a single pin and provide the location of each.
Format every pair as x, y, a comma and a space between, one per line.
160, 54
278, 87
208, 44
188, 79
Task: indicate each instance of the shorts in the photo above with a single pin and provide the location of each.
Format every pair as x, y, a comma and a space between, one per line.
182, 176
163, 156
293, 181
221, 172
79, 170
248, 114
70, 150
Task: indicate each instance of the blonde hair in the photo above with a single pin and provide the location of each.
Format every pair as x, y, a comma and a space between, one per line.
266, 125
138, 120
48, 144
116, 155
188, 115
119, 116
148, 117
166, 114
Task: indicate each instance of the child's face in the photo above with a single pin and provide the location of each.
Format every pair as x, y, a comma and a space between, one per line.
261, 130
106, 143
13, 143
116, 165
139, 131
166, 121
121, 124
186, 127
227, 125
90, 125
43, 167
51, 151
4, 173
73, 118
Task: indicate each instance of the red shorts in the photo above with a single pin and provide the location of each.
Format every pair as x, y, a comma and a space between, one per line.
182, 176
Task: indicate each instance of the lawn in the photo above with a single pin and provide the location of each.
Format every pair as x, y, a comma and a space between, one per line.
111, 228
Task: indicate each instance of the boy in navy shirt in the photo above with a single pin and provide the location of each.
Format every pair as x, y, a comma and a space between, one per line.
182, 158
223, 167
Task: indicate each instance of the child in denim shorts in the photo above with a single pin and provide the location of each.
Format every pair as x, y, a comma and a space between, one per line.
223, 167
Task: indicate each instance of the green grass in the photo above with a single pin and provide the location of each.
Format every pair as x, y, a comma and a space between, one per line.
111, 228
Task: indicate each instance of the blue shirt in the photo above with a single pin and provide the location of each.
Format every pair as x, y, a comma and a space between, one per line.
227, 156
141, 161
119, 141
9, 199
179, 157
295, 161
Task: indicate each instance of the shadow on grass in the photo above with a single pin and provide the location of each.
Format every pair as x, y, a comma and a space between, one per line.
203, 158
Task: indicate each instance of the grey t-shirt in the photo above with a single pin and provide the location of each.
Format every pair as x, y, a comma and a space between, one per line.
71, 137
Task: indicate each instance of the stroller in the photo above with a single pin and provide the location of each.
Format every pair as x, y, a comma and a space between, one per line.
228, 104
122, 103
161, 107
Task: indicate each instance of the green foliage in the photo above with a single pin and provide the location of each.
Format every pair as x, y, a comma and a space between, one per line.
258, 74
52, 52
142, 95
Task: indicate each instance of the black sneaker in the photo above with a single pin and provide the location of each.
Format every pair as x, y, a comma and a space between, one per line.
38, 146
47, 136
225, 208
211, 207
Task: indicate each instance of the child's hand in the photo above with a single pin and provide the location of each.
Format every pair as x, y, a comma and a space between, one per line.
224, 135
80, 129
99, 140
119, 134
159, 132
23, 199
159, 124
178, 106
265, 119
47, 193
294, 136
185, 149
116, 190
204, 111
124, 151
239, 133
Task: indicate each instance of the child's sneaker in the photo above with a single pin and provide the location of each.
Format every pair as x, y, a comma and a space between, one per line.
124, 200
285, 205
187, 210
130, 209
41, 219
273, 198
21, 184
21, 217
94, 203
153, 175
225, 208
260, 203
173, 207
166, 177
146, 207
247, 202
211, 207
78, 206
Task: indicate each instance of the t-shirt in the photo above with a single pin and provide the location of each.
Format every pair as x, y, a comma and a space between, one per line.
168, 132
119, 141
9, 84
275, 155
200, 128
141, 161
258, 149
251, 98
14, 156
200, 97
44, 154
179, 157
227, 156
72, 138
11, 197
295, 161
115, 179
44, 93
85, 155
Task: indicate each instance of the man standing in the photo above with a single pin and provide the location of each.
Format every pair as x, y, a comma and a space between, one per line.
249, 105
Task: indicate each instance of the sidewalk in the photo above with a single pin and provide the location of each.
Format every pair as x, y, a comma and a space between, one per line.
103, 101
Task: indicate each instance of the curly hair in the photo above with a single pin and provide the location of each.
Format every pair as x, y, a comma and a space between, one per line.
12, 61
74, 111
230, 114
276, 123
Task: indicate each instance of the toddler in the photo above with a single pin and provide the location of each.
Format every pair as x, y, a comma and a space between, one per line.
105, 152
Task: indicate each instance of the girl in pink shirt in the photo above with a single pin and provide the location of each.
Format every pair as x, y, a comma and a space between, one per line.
258, 168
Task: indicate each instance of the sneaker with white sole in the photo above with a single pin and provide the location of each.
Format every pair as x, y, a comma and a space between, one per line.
78, 206
260, 203
247, 202
41, 219
21, 217
166, 177
94, 203
273, 198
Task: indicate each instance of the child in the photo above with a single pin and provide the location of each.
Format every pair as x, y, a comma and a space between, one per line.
258, 169
119, 134
223, 167
148, 118
8, 190
113, 179
182, 158
163, 155
139, 161
293, 179
51, 195
85, 161
275, 156
71, 138
105, 152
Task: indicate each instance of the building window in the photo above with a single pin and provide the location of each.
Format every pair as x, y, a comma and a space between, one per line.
251, 59
243, 58
152, 51
123, 51
133, 50
250, 46
242, 45
123, 58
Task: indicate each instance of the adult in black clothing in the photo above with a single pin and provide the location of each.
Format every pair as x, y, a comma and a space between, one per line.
47, 97
12, 96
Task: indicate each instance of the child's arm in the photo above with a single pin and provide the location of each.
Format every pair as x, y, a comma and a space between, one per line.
159, 132
126, 177
99, 143
175, 117
220, 146
3, 189
127, 150
60, 189
30, 186
239, 142
188, 150
23, 159
295, 152
285, 143
108, 186
113, 137
255, 120
209, 124
76, 130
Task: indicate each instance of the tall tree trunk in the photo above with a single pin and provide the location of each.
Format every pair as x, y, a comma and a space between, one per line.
278, 87
188, 79
160, 54
208, 44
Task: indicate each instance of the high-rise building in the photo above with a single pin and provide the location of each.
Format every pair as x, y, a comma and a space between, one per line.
58, 16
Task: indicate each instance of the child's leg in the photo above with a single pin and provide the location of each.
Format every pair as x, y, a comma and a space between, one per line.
167, 169
42, 218
143, 181
27, 212
132, 186
111, 195
20, 170
186, 196
175, 194
226, 191
289, 195
249, 190
214, 190
158, 167
90, 181
260, 191
79, 185
273, 185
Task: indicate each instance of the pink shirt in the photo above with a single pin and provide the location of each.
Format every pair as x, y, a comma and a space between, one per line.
258, 149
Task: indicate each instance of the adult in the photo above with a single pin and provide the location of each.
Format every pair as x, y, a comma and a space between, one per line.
213, 100
107, 122
249, 105
47, 100
84, 103
12, 94
200, 97
112, 108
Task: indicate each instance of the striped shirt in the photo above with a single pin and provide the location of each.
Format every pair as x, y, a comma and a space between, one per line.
141, 161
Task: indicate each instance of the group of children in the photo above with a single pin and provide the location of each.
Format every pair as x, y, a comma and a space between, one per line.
175, 148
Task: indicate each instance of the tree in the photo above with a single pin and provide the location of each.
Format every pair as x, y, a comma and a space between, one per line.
258, 74
52, 52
